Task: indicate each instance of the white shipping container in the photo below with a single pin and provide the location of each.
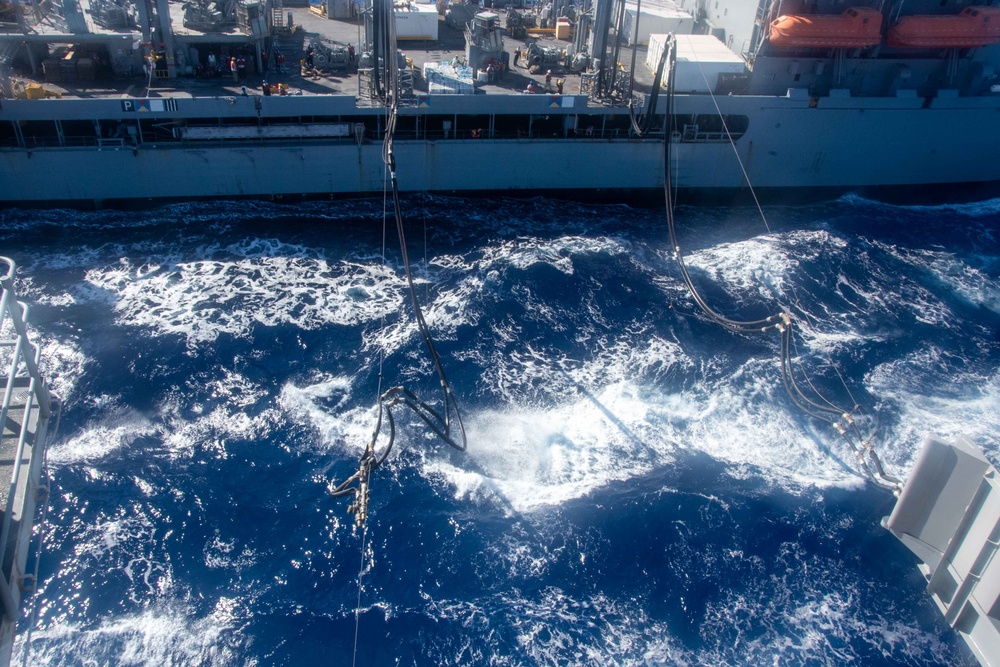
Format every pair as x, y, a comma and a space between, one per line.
655, 20
655, 51
700, 61
417, 21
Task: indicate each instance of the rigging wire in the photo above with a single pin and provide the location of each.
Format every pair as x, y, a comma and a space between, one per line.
820, 408
357, 607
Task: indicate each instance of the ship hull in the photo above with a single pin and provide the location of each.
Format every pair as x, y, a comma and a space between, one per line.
790, 143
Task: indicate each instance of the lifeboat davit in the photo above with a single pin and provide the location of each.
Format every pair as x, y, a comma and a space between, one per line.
974, 26
857, 27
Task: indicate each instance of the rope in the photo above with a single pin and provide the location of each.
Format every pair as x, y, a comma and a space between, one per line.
357, 608
732, 142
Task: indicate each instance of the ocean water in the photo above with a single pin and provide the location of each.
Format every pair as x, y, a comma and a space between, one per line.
638, 488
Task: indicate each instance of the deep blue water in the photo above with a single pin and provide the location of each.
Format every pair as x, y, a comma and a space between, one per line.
638, 489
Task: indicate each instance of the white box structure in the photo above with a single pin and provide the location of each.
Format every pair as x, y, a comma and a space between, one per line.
700, 61
655, 19
416, 21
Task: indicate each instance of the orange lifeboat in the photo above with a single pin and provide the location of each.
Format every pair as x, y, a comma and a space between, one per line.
974, 26
857, 27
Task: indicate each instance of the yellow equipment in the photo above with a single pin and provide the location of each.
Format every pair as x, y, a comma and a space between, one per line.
32, 91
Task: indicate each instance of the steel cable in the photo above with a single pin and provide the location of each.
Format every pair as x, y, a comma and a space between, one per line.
830, 413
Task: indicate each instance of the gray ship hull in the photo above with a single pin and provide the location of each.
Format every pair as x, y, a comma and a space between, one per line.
791, 142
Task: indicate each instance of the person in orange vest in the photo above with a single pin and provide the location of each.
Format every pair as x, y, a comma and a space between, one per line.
232, 68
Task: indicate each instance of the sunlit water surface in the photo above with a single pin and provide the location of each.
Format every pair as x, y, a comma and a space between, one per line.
638, 488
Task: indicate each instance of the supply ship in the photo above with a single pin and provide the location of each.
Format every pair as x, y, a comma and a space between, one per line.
109, 100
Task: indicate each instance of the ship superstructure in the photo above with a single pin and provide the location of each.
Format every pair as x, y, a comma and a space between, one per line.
167, 99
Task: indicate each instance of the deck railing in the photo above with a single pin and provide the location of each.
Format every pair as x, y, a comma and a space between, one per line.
24, 415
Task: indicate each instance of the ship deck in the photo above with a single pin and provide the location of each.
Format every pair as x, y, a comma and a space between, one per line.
309, 28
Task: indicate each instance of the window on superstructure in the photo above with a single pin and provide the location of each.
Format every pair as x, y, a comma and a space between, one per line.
40, 133
8, 138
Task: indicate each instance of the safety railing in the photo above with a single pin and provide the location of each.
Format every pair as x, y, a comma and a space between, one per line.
24, 416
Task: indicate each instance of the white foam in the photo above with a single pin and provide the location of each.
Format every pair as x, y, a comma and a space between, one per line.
525, 252
116, 429
967, 282
450, 307
325, 408
210, 432
166, 632
171, 428
269, 285
933, 394
752, 265
222, 554
535, 458
63, 365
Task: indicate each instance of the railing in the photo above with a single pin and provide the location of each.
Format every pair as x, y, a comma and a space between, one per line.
592, 132
33, 142
24, 415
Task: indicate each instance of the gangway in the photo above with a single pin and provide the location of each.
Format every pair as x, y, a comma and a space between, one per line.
25, 415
